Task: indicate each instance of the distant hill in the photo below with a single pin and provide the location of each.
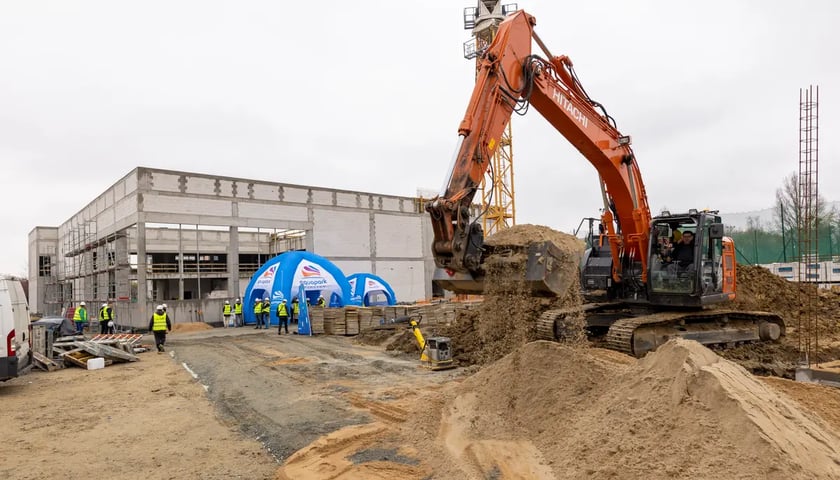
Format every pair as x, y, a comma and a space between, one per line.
766, 217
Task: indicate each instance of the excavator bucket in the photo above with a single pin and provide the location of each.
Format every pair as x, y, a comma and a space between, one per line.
548, 270
458, 282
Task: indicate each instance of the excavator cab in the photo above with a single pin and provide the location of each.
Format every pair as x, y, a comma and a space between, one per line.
687, 273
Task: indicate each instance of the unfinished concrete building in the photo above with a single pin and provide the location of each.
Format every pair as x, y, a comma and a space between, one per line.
193, 240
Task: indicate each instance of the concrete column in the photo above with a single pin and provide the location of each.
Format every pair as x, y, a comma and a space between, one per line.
372, 239
142, 288
180, 263
233, 262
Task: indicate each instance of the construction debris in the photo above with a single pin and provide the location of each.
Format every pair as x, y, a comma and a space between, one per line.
77, 350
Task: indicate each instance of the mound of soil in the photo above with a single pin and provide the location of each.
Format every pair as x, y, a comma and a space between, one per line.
759, 289
506, 319
814, 322
190, 327
682, 411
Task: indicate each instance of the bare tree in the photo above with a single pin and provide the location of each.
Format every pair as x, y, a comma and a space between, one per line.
789, 208
754, 223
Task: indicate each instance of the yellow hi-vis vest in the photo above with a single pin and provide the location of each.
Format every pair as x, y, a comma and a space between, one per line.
77, 315
258, 307
159, 322
295, 307
105, 314
226, 311
281, 310
237, 308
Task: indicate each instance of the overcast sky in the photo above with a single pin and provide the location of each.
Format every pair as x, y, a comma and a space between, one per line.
367, 95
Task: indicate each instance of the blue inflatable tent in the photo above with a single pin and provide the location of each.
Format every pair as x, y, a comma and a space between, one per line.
365, 288
283, 276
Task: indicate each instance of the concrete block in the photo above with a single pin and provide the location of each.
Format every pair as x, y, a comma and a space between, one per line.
96, 363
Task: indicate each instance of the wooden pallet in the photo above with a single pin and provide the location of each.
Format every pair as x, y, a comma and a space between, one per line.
44, 363
351, 321
316, 320
81, 358
80, 351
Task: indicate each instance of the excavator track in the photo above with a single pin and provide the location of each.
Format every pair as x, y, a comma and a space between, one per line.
620, 334
636, 334
552, 326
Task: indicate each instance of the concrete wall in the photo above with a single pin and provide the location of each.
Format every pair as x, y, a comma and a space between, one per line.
180, 311
43, 241
359, 231
820, 272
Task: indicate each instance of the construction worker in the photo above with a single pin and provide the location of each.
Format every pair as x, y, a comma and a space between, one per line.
80, 317
321, 301
159, 324
106, 317
295, 310
282, 317
227, 310
266, 311
168, 316
237, 313
258, 313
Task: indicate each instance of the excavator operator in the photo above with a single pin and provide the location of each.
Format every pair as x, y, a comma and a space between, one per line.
683, 252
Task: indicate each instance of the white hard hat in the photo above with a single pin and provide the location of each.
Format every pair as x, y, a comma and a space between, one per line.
81, 304
104, 304
159, 307
227, 303
164, 306
283, 301
237, 299
266, 298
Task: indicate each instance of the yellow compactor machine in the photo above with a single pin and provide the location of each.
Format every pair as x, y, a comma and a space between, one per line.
435, 352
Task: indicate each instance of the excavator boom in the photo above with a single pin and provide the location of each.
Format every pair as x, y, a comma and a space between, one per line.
510, 78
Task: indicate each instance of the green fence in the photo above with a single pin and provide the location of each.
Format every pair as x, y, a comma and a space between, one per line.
760, 247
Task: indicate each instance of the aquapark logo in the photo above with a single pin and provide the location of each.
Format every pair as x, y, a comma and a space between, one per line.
313, 276
270, 272
372, 285
266, 278
309, 271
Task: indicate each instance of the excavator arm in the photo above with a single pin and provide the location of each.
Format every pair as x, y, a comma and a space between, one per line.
509, 79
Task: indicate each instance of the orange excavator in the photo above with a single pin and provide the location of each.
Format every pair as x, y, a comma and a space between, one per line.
648, 295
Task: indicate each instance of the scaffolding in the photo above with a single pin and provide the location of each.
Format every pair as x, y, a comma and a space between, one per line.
808, 223
87, 268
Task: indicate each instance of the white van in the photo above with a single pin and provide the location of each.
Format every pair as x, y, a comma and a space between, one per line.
14, 328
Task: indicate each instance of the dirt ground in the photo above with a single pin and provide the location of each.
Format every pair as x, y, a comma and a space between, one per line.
264, 406
245, 403
147, 420
256, 399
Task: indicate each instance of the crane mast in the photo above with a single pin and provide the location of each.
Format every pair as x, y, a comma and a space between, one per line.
498, 199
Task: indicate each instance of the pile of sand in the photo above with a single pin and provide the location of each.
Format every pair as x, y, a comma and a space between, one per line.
190, 327
758, 289
506, 319
682, 411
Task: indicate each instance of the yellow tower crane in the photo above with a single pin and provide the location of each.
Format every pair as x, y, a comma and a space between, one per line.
497, 194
